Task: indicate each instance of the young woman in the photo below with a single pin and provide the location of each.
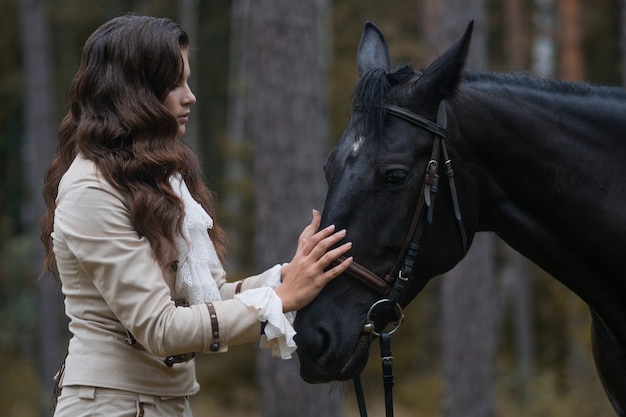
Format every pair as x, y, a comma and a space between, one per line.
130, 233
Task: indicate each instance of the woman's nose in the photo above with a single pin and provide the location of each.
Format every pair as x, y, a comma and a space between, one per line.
190, 98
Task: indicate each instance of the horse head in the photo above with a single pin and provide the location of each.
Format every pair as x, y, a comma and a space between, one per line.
379, 175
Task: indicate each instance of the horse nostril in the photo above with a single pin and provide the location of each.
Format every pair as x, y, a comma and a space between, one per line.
324, 346
324, 341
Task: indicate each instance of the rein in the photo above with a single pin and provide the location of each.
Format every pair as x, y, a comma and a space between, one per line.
395, 282
385, 356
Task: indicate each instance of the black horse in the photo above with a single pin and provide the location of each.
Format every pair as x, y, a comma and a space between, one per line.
541, 163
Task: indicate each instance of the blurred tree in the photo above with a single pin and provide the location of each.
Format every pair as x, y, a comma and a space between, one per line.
38, 147
289, 129
11, 127
622, 40
515, 35
543, 44
467, 291
516, 295
468, 313
236, 203
600, 21
571, 64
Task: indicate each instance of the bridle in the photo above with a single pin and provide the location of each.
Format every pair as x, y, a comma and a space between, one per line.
393, 284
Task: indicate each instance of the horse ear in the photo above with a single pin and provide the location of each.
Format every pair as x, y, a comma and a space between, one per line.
373, 52
441, 79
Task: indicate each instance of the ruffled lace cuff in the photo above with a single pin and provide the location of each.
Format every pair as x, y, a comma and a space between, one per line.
279, 331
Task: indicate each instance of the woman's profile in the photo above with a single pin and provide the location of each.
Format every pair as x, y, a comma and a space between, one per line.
131, 234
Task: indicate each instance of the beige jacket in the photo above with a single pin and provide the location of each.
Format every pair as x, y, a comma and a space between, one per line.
112, 282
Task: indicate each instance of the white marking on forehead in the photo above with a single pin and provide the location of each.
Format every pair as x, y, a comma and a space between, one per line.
356, 146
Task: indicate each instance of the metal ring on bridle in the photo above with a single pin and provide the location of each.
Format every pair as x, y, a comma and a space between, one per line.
369, 326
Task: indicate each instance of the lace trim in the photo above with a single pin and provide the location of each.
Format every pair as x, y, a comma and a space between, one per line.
279, 331
197, 254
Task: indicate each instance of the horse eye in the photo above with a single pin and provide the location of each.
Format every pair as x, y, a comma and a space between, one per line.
395, 176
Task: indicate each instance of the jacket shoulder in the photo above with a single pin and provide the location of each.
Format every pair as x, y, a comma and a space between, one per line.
83, 173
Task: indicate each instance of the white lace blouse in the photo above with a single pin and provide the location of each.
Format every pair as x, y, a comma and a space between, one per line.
199, 270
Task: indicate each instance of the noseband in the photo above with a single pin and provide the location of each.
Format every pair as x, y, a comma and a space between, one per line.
394, 283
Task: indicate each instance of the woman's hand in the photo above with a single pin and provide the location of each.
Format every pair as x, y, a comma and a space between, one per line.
305, 276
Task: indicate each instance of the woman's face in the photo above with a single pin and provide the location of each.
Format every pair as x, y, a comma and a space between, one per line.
179, 100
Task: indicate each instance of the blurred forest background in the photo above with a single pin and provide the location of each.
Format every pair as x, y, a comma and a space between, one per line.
494, 337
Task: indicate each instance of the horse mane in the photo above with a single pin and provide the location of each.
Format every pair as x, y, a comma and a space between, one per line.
374, 87
369, 97
530, 81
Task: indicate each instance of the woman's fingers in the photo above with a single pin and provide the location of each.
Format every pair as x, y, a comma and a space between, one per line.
336, 270
319, 247
328, 257
307, 273
312, 228
308, 245
322, 247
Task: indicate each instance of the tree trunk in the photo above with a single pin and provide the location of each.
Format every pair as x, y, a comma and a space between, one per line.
517, 295
236, 204
515, 38
469, 333
289, 129
38, 150
466, 291
622, 36
570, 45
543, 50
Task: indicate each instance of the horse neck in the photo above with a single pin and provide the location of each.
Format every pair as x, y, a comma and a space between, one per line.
548, 168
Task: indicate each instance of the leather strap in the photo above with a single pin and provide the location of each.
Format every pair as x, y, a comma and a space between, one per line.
360, 397
388, 380
416, 119
183, 357
381, 285
238, 287
449, 173
215, 328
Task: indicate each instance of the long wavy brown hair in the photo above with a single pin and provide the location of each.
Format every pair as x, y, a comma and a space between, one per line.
117, 119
